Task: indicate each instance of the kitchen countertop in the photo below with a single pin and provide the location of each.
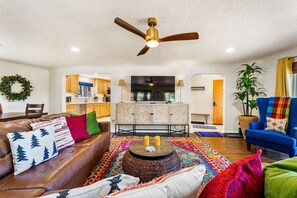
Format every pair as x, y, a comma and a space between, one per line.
79, 103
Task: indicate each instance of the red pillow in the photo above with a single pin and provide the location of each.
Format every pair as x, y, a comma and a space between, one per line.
243, 178
78, 127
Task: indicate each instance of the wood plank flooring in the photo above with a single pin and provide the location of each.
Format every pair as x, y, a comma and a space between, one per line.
235, 149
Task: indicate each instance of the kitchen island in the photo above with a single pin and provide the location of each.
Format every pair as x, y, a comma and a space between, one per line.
102, 109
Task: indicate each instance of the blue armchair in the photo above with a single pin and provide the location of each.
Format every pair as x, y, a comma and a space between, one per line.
285, 143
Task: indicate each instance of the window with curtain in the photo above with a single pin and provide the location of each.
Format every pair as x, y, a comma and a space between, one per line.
294, 80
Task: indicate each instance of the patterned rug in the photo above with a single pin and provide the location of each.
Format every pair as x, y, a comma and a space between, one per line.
209, 134
192, 151
204, 126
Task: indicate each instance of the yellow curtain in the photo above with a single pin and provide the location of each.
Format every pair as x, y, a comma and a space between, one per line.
284, 77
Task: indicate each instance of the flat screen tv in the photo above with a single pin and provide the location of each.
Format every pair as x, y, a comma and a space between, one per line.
153, 88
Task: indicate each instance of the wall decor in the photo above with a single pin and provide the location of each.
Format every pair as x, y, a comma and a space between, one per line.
201, 88
8, 81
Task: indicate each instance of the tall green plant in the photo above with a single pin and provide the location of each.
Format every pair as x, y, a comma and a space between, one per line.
248, 87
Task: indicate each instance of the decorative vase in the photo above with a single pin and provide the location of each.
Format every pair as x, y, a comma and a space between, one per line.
244, 122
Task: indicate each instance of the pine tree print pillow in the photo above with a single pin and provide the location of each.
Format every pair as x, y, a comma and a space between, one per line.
32, 148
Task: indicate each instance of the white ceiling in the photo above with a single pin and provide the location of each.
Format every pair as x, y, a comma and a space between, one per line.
40, 32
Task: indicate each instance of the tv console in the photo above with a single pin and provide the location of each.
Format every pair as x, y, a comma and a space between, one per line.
174, 117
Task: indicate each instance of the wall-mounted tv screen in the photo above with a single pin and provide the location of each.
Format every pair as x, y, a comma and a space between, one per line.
153, 88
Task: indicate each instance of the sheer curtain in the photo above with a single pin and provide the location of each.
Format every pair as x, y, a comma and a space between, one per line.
294, 86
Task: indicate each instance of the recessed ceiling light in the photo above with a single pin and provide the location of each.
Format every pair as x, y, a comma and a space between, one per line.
96, 74
75, 49
229, 50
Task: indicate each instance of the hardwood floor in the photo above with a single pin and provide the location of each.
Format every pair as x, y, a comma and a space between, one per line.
235, 149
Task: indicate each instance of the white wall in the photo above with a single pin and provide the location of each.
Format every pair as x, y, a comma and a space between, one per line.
201, 101
182, 71
39, 78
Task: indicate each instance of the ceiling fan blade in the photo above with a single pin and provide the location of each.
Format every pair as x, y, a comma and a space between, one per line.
180, 37
143, 51
129, 27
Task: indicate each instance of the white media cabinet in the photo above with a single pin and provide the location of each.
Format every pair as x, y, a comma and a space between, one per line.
138, 114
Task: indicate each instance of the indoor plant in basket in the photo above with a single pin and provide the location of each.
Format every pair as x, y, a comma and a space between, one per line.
248, 89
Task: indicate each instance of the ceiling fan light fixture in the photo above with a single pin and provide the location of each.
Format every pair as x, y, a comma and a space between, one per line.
151, 84
152, 43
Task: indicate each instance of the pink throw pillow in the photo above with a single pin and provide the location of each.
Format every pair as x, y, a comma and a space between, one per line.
78, 127
243, 178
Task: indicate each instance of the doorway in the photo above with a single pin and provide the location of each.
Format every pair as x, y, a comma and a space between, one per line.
207, 101
87, 93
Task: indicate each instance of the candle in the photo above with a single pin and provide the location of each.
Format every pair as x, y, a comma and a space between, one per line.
157, 141
146, 140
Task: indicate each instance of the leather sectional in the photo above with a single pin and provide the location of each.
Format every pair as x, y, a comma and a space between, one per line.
67, 170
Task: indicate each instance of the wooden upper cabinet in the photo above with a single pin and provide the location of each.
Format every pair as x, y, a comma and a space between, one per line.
105, 87
101, 85
68, 84
72, 84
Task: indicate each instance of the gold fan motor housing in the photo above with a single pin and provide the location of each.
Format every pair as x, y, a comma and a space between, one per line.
152, 21
152, 33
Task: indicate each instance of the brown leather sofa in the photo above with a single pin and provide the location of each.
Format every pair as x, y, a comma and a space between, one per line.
67, 170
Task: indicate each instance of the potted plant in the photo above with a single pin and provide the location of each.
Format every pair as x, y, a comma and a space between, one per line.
248, 89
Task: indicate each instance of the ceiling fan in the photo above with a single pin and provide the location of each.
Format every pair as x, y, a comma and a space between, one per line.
151, 36
150, 82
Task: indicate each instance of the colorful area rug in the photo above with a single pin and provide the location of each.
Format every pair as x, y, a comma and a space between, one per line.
191, 150
204, 126
209, 134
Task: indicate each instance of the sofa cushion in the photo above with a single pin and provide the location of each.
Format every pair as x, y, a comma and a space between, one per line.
78, 127
92, 124
53, 174
63, 136
99, 188
243, 178
271, 136
281, 179
24, 193
32, 148
6, 165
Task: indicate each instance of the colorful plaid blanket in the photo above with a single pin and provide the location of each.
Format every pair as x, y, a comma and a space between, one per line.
279, 107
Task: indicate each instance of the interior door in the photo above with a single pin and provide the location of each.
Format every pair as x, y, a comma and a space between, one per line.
217, 101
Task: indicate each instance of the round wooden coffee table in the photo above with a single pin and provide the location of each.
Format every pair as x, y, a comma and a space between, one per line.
145, 165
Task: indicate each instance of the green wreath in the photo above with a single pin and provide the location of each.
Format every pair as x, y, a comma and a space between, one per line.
8, 81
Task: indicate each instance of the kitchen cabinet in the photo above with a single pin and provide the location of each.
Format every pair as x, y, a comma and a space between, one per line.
70, 108
90, 108
101, 109
72, 84
101, 85
97, 107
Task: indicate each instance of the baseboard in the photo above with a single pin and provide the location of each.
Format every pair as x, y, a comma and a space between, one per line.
233, 135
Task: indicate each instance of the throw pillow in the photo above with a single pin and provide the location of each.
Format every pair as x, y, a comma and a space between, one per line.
32, 148
99, 188
92, 124
274, 124
243, 178
78, 127
63, 136
183, 183
280, 179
